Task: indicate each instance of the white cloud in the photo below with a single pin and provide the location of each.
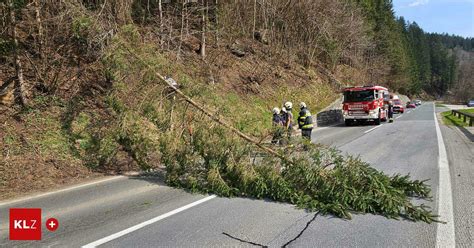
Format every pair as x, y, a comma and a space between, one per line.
418, 3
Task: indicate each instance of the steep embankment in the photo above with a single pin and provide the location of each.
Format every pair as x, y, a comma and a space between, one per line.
36, 153
65, 138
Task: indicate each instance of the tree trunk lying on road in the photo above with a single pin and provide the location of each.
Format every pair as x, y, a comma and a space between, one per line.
208, 113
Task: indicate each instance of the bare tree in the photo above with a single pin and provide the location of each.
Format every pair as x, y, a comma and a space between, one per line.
122, 11
216, 10
160, 13
204, 8
20, 85
183, 12
254, 18
39, 27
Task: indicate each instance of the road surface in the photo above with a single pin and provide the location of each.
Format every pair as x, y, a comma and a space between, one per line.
456, 106
142, 212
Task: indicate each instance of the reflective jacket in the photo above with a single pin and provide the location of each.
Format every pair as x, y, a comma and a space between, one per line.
305, 121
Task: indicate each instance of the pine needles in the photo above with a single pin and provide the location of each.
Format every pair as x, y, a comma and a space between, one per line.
218, 163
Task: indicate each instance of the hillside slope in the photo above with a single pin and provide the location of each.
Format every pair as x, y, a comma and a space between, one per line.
104, 112
465, 77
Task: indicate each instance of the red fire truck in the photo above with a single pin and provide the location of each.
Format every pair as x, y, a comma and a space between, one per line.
365, 103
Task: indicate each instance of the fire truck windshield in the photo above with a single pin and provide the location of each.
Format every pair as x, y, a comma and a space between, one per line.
359, 96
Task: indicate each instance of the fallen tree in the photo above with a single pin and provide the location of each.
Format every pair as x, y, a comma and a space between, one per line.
217, 159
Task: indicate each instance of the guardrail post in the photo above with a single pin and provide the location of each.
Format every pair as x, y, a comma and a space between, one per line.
464, 116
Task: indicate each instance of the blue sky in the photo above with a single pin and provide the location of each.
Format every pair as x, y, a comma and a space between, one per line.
440, 16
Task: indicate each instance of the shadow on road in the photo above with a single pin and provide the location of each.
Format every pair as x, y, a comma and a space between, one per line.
156, 177
468, 133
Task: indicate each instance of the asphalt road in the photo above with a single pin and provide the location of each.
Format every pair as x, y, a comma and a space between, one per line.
460, 148
409, 145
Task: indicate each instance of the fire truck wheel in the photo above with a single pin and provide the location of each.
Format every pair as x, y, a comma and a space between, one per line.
349, 122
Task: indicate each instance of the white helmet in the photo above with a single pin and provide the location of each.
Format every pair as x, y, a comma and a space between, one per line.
302, 105
288, 105
276, 111
284, 110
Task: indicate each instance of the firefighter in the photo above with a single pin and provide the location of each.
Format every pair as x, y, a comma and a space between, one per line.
288, 118
277, 124
305, 121
390, 111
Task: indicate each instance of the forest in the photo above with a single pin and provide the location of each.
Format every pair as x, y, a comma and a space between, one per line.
364, 35
420, 61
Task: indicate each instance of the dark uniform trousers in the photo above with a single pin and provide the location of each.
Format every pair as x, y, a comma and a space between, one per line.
306, 133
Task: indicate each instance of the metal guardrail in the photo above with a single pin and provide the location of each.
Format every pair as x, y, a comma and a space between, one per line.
464, 116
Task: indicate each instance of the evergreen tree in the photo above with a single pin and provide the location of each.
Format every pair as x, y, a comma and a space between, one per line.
418, 60
419, 48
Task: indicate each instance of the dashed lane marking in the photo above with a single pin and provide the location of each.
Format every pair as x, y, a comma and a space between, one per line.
372, 129
146, 223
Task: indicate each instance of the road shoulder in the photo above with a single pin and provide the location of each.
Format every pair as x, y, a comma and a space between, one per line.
460, 150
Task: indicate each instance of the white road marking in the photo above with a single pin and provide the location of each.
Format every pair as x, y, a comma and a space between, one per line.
445, 236
398, 116
59, 191
372, 129
146, 223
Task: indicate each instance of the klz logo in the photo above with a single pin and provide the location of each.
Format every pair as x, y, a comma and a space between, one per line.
25, 224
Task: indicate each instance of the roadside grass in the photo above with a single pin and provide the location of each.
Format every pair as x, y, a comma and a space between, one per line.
40, 133
46, 135
451, 120
36, 152
470, 111
440, 105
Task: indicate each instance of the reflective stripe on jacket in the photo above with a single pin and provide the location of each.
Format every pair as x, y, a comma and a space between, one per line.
305, 121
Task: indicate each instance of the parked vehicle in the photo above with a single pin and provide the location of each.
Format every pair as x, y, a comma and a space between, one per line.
365, 103
470, 103
411, 105
417, 102
398, 106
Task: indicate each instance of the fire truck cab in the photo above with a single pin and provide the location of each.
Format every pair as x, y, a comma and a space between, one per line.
365, 103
